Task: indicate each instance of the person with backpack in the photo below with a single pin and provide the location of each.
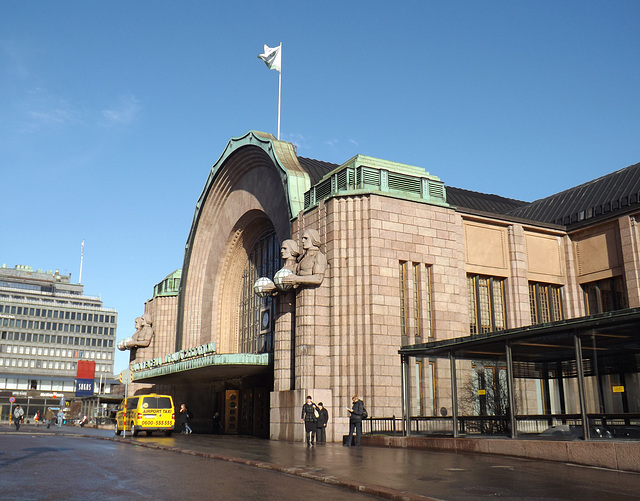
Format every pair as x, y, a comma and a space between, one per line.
357, 413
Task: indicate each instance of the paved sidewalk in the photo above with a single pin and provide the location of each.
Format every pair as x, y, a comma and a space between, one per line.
395, 473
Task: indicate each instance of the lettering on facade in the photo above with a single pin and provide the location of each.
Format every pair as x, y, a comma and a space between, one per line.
178, 356
211, 359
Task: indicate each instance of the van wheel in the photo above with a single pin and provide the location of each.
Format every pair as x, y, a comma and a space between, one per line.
134, 430
118, 432
167, 433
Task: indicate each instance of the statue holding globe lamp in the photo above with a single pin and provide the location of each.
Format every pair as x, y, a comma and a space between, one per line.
142, 337
265, 287
311, 266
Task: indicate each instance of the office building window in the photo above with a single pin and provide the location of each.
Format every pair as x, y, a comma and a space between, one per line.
487, 306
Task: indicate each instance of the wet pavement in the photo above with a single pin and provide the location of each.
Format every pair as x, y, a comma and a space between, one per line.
394, 473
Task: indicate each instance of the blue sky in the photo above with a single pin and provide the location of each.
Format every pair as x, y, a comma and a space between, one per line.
112, 113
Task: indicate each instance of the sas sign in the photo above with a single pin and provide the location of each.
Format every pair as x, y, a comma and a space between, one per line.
84, 387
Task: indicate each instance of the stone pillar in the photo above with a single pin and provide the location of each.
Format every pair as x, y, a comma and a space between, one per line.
286, 408
573, 300
629, 243
312, 344
519, 313
284, 334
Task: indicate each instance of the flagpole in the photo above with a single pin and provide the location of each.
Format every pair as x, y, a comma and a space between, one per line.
279, 90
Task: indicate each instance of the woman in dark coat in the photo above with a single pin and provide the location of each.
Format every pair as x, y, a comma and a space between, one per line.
322, 423
308, 417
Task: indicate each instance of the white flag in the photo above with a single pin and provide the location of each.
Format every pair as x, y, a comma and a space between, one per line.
272, 57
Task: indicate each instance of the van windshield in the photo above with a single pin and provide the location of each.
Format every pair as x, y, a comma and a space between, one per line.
158, 402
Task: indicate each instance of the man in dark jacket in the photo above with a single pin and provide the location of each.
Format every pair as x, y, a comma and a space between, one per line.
322, 423
355, 419
308, 417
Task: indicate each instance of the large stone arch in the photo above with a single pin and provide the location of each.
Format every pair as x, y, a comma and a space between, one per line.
256, 184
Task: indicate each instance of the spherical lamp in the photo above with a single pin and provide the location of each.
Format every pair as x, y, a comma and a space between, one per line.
263, 287
277, 279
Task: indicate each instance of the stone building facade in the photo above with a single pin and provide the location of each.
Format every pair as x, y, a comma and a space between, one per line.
410, 260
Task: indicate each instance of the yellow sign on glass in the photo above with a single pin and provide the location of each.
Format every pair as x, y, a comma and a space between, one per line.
618, 389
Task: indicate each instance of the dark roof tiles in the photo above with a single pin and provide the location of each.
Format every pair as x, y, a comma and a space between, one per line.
599, 196
317, 169
481, 201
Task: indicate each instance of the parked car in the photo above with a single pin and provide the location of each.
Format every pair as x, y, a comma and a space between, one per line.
147, 413
571, 431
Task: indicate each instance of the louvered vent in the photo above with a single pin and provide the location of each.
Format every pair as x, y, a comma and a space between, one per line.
323, 190
342, 180
370, 177
406, 184
436, 191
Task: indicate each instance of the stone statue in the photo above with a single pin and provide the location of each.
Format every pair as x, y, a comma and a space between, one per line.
289, 252
311, 265
299, 270
142, 337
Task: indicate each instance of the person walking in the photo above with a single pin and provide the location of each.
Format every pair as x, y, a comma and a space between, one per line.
321, 435
60, 418
217, 424
309, 417
18, 414
48, 417
356, 415
184, 418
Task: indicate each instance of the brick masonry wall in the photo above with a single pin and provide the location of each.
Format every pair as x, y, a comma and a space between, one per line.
348, 331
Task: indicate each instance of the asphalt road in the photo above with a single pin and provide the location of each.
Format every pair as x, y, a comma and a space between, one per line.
85, 463
50, 467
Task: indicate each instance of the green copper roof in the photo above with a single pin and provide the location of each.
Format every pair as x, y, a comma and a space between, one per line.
295, 179
169, 286
363, 174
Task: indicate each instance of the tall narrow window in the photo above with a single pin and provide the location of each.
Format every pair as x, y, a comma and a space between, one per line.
404, 309
545, 301
427, 311
487, 308
415, 301
417, 317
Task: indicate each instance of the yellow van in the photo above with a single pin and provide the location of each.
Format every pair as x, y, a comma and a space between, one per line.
146, 413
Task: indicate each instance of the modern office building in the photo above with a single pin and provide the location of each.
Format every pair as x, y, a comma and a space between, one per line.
47, 325
390, 257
